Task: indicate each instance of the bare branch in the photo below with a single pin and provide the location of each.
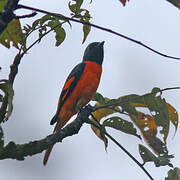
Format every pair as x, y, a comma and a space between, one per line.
20, 151
98, 27
14, 68
26, 16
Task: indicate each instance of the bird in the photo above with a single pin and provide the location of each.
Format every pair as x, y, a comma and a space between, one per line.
79, 88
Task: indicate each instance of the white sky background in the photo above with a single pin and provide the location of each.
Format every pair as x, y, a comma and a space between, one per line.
128, 68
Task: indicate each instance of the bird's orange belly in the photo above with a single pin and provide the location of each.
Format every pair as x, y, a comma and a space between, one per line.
84, 90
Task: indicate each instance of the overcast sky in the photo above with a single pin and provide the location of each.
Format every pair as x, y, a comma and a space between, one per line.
127, 68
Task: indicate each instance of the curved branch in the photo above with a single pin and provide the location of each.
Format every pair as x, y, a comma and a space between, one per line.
20, 151
98, 27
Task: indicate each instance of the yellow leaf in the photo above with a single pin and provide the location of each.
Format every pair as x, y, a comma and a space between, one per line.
138, 104
99, 114
86, 30
148, 128
145, 123
173, 115
100, 135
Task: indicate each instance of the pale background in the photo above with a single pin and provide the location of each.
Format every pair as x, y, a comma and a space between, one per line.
128, 68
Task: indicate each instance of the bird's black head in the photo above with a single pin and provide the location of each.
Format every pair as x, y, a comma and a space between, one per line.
94, 52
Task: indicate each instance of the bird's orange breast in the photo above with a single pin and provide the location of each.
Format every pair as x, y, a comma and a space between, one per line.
83, 92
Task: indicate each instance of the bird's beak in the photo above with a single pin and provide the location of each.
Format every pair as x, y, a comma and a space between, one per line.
100, 44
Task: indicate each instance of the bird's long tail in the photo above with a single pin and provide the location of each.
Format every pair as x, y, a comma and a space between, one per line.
48, 151
46, 156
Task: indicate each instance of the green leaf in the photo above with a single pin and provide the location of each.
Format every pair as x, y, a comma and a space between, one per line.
1, 138
42, 20
157, 145
86, 28
75, 7
79, 3
1, 98
157, 106
127, 106
131, 98
45, 18
60, 32
3, 2
159, 111
99, 98
164, 161
60, 35
121, 125
8, 90
146, 154
52, 22
13, 33
72, 7
173, 174
115, 102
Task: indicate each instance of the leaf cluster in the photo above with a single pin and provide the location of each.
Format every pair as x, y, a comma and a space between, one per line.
134, 106
18, 36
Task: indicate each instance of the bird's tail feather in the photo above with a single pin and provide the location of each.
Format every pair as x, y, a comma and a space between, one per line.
58, 126
46, 156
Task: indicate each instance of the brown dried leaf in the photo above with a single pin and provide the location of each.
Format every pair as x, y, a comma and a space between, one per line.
173, 116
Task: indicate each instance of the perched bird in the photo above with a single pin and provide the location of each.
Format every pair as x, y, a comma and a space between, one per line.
79, 88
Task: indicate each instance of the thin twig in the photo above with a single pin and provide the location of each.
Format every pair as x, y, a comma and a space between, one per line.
120, 146
119, 103
167, 89
26, 16
42, 37
98, 27
132, 157
25, 51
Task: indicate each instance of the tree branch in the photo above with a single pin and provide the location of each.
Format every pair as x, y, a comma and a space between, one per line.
14, 68
99, 126
98, 27
20, 151
120, 102
12, 75
7, 15
26, 16
175, 3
